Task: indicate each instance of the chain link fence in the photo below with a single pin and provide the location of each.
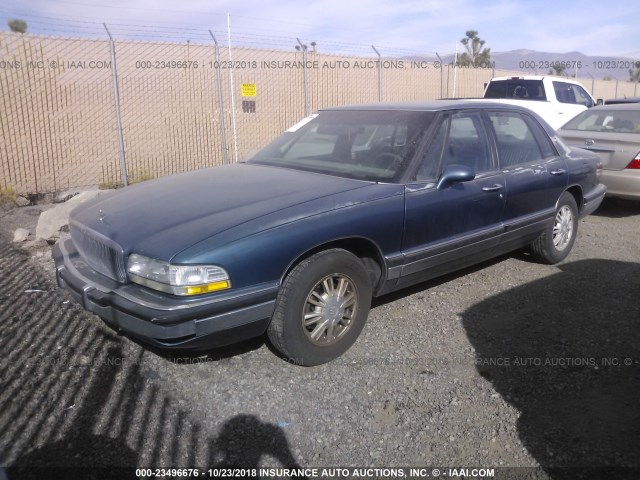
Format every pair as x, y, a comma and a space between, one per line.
181, 105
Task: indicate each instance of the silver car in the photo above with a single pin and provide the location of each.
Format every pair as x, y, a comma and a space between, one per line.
613, 132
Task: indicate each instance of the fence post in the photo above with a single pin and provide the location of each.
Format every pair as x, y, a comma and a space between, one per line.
116, 93
616, 95
306, 79
379, 72
233, 96
593, 80
223, 131
441, 76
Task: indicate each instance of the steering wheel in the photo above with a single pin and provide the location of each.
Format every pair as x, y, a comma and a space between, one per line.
388, 161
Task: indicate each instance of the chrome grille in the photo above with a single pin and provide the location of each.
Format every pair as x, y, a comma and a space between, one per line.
101, 253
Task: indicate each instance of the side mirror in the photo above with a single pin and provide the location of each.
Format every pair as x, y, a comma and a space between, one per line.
455, 174
599, 101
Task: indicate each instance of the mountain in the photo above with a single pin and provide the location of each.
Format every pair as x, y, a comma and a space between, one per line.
534, 62
585, 65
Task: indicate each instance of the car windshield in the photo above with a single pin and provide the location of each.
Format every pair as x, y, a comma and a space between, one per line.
616, 121
368, 145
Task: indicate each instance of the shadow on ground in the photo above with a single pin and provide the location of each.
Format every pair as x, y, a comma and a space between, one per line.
570, 365
613, 207
187, 357
76, 400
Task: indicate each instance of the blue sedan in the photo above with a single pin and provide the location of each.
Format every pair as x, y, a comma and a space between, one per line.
349, 204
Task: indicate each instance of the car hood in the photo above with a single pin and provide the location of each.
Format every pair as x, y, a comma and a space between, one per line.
162, 217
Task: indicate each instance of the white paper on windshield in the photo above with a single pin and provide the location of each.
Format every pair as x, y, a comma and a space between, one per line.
302, 122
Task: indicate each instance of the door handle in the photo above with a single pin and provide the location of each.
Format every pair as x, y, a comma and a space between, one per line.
557, 172
495, 187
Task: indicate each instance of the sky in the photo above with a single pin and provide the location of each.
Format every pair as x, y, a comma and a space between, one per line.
592, 27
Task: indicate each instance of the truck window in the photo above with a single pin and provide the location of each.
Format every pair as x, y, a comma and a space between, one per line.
570, 93
582, 96
517, 89
564, 92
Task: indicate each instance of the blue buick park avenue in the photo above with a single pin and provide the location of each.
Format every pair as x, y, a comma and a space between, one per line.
349, 204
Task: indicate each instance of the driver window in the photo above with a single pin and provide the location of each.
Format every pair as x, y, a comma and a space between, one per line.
467, 143
459, 140
582, 97
429, 167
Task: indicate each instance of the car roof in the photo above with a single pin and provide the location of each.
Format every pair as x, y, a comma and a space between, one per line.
618, 101
430, 106
536, 77
617, 106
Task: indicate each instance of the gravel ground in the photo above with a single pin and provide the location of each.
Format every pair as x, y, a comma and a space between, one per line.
508, 364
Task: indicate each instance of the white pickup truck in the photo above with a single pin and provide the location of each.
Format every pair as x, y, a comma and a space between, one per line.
555, 99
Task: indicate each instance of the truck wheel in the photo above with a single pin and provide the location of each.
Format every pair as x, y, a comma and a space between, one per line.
321, 308
555, 243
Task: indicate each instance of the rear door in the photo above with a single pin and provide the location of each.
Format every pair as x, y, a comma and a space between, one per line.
450, 226
535, 175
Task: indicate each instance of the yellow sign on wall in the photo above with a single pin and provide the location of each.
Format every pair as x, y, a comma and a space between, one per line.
248, 89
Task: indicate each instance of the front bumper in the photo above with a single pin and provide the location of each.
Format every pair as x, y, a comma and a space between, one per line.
165, 320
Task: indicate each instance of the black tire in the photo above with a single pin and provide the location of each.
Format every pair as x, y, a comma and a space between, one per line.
555, 243
338, 287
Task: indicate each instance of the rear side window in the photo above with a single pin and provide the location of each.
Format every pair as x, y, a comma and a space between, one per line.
544, 142
515, 140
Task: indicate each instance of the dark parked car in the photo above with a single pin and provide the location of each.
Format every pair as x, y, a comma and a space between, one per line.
618, 101
350, 203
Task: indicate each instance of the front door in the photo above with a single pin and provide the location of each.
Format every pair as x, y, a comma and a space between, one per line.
456, 224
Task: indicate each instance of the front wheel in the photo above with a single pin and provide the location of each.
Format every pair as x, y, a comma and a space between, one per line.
555, 243
321, 308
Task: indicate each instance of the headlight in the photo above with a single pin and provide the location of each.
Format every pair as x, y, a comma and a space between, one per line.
177, 279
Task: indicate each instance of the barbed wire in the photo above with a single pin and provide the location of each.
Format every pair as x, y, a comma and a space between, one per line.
79, 26
259, 36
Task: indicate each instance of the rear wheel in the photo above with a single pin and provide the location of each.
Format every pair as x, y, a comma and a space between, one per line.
321, 308
555, 243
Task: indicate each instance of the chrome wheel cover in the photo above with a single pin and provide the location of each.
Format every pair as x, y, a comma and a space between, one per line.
330, 309
563, 228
